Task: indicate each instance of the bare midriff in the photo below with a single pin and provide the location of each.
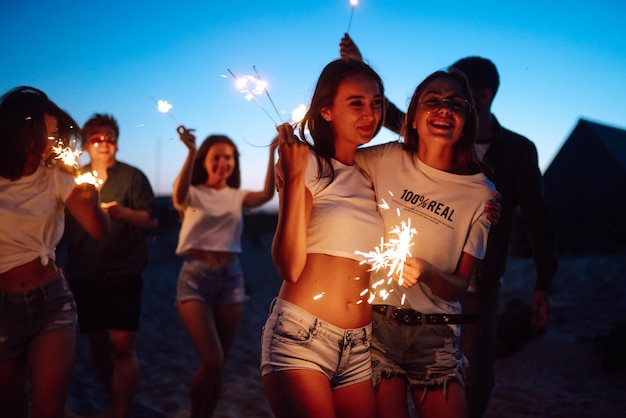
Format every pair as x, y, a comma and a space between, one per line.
28, 276
214, 258
334, 289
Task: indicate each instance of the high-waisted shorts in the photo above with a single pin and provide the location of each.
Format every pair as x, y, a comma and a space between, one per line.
294, 339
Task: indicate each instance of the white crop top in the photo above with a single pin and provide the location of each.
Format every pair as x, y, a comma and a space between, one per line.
213, 220
344, 217
32, 216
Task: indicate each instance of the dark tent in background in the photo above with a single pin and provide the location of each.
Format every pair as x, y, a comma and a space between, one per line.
585, 188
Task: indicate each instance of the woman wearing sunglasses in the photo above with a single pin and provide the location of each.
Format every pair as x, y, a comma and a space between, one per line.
434, 181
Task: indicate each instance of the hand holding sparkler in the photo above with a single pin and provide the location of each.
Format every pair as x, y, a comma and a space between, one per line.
86, 193
187, 137
348, 49
413, 271
294, 154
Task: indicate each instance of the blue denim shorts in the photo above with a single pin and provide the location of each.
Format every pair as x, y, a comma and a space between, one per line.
294, 339
215, 286
425, 355
25, 315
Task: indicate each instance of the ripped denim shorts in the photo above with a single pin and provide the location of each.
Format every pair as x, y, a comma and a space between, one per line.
425, 355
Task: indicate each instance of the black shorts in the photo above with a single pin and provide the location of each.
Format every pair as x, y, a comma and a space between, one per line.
108, 303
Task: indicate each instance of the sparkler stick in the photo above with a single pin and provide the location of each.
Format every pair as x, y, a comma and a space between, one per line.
353, 3
267, 93
242, 84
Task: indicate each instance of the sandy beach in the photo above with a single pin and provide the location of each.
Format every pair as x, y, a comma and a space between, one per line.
559, 374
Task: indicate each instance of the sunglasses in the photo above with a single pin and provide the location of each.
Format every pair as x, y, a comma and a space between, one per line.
456, 104
97, 140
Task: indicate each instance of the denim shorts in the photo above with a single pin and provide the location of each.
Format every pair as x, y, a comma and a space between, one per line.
26, 315
108, 303
215, 286
425, 355
294, 339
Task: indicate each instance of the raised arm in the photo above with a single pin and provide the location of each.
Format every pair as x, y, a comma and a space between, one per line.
183, 181
254, 199
394, 117
290, 240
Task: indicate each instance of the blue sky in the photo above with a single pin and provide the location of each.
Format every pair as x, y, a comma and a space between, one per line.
558, 62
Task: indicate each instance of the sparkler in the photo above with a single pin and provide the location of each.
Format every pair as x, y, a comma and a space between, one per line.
68, 155
353, 4
267, 93
298, 113
391, 255
89, 177
259, 87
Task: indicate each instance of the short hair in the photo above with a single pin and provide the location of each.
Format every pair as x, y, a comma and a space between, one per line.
323, 97
23, 131
481, 73
98, 120
199, 174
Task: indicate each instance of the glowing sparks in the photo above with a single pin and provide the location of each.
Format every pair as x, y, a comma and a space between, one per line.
298, 113
252, 86
392, 255
90, 177
163, 106
68, 155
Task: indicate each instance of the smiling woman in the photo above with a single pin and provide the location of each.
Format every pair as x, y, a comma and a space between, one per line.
210, 294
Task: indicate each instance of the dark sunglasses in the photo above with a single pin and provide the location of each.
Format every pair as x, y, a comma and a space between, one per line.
455, 104
96, 140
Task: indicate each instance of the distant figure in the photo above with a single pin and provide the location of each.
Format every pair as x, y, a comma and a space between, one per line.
37, 311
210, 295
517, 177
106, 276
315, 358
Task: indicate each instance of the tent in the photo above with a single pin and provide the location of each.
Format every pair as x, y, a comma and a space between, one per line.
587, 178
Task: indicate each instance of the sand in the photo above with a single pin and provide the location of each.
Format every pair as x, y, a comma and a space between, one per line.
556, 375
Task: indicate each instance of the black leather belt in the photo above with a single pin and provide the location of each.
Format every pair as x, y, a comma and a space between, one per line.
411, 317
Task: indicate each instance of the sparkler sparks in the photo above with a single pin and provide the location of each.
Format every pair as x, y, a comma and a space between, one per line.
391, 255
298, 113
259, 87
90, 177
68, 155
163, 106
